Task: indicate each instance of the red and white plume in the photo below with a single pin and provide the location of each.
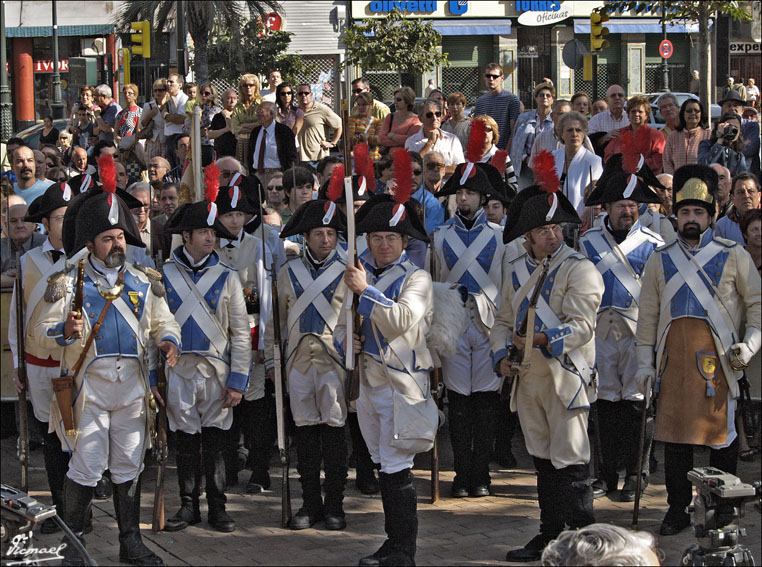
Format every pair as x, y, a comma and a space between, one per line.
634, 149
364, 168
500, 161
212, 183
107, 172
546, 175
335, 187
234, 189
477, 139
403, 175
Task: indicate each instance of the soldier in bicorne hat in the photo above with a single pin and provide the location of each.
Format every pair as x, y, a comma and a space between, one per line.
211, 375
696, 291
123, 314
553, 389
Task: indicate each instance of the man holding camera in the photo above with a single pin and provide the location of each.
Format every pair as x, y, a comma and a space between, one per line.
695, 291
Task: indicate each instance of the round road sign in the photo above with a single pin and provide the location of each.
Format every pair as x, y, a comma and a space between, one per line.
666, 49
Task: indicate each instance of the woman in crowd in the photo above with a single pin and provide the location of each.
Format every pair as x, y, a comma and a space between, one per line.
64, 146
581, 103
402, 123
683, 144
288, 114
384, 169
638, 110
220, 129
725, 145
490, 155
209, 109
128, 119
244, 117
363, 128
49, 134
577, 166
458, 124
86, 101
57, 174
152, 124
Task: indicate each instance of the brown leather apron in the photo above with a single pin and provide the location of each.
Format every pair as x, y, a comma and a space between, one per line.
685, 413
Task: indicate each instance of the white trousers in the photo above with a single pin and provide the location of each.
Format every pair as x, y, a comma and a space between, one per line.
470, 370
193, 398
617, 366
112, 424
375, 413
256, 389
317, 398
41, 389
551, 431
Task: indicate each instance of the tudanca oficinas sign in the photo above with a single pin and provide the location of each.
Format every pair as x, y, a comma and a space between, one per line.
541, 13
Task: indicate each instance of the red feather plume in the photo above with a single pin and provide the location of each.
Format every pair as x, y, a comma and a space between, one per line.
635, 146
212, 182
500, 161
545, 172
364, 166
403, 175
336, 184
107, 172
476, 139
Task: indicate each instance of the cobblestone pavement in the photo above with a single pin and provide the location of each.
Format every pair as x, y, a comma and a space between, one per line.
470, 531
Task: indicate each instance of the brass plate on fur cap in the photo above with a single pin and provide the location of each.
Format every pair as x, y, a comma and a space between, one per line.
694, 190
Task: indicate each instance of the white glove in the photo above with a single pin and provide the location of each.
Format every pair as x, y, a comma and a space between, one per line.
741, 352
646, 374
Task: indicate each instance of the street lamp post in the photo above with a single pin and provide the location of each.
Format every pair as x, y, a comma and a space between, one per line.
181, 38
664, 66
6, 106
57, 106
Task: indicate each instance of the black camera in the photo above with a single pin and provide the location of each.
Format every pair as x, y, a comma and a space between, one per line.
730, 133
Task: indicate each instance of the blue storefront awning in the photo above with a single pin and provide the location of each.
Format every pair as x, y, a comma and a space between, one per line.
472, 27
47, 31
637, 25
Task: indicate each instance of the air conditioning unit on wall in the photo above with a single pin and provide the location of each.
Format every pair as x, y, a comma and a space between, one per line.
93, 46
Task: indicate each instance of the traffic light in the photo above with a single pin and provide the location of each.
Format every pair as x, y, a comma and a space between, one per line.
598, 32
142, 37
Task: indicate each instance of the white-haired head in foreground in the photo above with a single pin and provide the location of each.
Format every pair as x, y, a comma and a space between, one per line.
602, 544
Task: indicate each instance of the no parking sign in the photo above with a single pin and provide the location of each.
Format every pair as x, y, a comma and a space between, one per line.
666, 49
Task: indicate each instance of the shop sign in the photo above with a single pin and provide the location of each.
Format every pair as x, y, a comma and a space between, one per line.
541, 13
745, 48
455, 7
45, 66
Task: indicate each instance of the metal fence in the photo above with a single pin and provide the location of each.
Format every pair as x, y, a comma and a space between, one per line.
608, 74
324, 80
461, 79
679, 77
384, 83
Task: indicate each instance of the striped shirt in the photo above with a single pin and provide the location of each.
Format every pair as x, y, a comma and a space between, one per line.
604, 122
503, 107
357, 125
682, 148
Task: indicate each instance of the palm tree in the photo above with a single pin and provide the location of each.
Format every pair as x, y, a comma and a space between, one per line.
200, 19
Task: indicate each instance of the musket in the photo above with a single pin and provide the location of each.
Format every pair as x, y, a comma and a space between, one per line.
526, 328
63, 386
161, 450
641, 455
23, 441
280, 373
352, 381
436, 391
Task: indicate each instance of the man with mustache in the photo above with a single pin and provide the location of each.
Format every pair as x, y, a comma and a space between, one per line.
620, 249
24, 167
123, 313
695, 293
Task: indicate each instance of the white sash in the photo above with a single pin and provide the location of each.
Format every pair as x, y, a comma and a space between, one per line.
467, 259
688, 273
551, 320
194, 305
129, 316
313, 293
619, 266
398, 345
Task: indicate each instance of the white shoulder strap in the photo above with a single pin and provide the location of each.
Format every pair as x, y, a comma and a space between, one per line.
313, 293
467, 261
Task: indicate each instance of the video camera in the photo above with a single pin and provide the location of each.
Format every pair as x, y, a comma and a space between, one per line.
716, 509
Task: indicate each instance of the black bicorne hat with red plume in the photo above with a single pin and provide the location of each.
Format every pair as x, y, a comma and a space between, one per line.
547, 206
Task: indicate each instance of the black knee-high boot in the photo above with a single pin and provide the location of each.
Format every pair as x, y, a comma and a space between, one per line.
309, 456
56, 465
365, 471
132, 550
678, 460
461, 416
213, 443
610, 433
334, 444
256, 433
188, 474
76, 502
485, 409
575, 484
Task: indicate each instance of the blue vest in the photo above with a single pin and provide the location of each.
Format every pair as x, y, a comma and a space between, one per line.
484, 258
